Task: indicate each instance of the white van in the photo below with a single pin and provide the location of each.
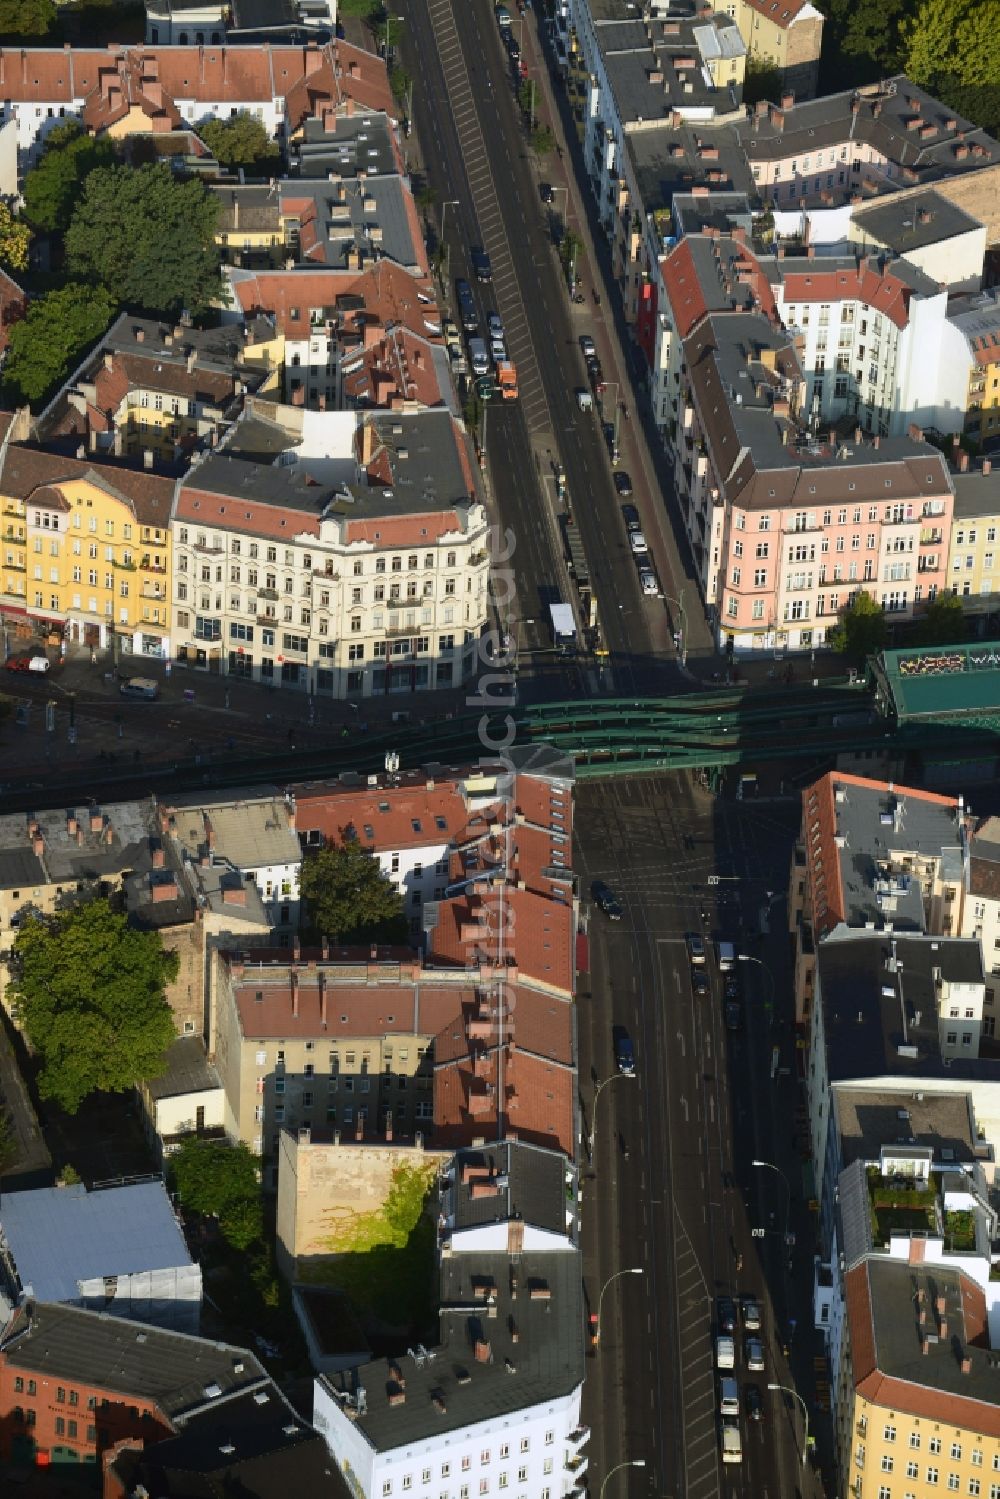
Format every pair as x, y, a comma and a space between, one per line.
727, 956
479, 357
729, 1398
725, 1353
143, 687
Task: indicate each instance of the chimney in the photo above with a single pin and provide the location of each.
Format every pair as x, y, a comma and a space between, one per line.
359, 1129
234, 895
96, 820
858, 434
940, 1306
963, 462
787, 100
109, 833
987, 465
38, 845
140, 335
483, 1351
71, 824
294, 980
322, 999
925, 1345
877, 440
162, 890
158, 855
209, 832
388, 1126
914, 432
290, 813
943, 1329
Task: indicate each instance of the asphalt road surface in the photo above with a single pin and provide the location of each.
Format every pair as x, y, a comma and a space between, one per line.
480, 169
672, 1189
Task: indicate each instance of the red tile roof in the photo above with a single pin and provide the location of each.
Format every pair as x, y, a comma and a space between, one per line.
882, 290
779, 12
389, 294
511, 1092
532, 933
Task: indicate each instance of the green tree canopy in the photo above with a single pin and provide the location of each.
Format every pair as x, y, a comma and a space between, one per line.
944, 621
240, 142
762, 80
52, 188
43, 347
27, 19
147, 237
15, 238
90, 990
957, 40
350, 899
219, 1180
861, 630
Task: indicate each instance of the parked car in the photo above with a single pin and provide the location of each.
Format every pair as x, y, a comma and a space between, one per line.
495, 324
726, 1314
630, 516
732, 987
546, 194
498, 348
481, 263
754, 1404
755, 1355
648, 583
28, 663
725, 1353
611, 438
623, 484
734, 1016
607, 900
588, 346
696, 950
699, 983
514, 49
637, 542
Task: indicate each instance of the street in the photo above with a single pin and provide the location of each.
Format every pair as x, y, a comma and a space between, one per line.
672, 1189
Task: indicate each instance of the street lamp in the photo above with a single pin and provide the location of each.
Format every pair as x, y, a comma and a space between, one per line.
616, 1077
629, 1270
635, 1462
770, 1166
787, 1390
746, 957
684, 632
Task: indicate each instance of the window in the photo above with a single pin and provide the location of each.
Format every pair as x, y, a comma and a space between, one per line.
956, 1451
887, 1463
932, 1475
934, 1445
912, 1470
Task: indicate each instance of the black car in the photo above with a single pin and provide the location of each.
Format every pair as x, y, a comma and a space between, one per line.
481, 263
699, 982
466, 306
623, 484
546, 194
754, 1404
734, 1016
607, 900
630, 516
611, 439
726, 1313
514, 50
732, 989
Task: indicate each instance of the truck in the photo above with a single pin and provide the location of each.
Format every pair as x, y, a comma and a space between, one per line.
563, 623
507, 379
732, 1446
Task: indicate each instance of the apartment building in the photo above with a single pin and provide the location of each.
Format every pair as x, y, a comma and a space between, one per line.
496, 1402
347, 557
981, 909
900, 1013
74, 1383
972, 565
195, 23
153, 391
873, 855
641, 73
349, 144
364, 337
787, 36
86, 549
811, 161
345, 223
915, 1400
975, 322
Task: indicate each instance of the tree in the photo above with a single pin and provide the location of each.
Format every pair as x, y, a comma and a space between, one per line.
861, 630
222, 1181
147, 237
944, 621
240, 142
44, 346
953, 39
90, 989
15, 237
26, 19
762, 80
350, 899
52, 188
864, 40
542, 140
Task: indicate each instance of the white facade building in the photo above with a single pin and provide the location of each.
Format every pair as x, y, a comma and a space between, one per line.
497, 1406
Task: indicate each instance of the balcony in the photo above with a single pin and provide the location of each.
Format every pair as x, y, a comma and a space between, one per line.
152, 567
267, 593
208, 549
577, 1465
396, 629
124, 567
931, 538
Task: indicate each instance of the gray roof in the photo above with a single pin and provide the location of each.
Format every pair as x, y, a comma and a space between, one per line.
532, 1187
59, 1236
880, 120
128, 1358
863, 1026
976, 494
188, 1070
357, 143
877, 825
898, 1352
669, 160
854, 1238
255, 1446
866, 1121
696, 212
641, 63
251, 832
221, 346
908, 224
546, 1362
121, 841
371, 215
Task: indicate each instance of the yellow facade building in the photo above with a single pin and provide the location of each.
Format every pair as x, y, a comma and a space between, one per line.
86, 550
916, 1400
974, 551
